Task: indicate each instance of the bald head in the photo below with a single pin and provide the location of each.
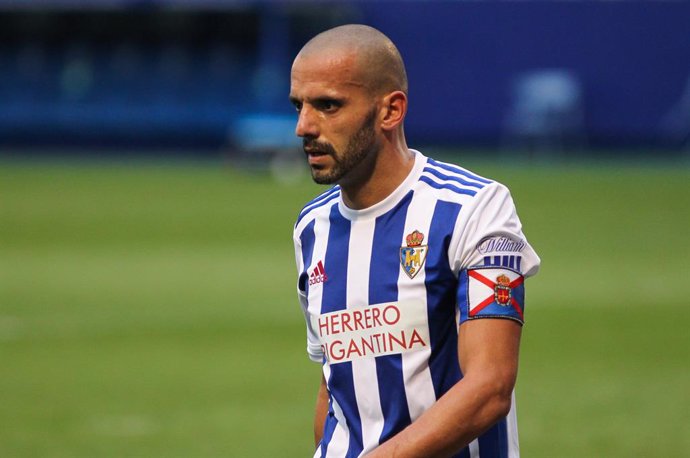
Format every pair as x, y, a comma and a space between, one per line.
378, 64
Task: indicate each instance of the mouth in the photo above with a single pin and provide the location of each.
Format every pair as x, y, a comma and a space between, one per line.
316, 158
314, 147
317, 155
314, 152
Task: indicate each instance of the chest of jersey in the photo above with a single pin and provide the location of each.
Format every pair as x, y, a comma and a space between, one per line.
382, 283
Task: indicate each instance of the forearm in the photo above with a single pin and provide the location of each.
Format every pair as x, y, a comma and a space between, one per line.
462, 414
488, 356
320, 412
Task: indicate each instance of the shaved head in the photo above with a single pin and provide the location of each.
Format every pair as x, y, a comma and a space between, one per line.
378, 64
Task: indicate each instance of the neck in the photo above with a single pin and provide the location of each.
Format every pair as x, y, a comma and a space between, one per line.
386, 170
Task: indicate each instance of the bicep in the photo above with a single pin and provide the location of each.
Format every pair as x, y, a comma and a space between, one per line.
489, 347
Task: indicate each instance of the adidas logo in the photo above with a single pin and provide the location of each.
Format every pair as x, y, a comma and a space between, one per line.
318, 275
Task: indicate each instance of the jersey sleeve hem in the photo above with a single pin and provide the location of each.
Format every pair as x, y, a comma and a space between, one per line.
499, 317
315, 353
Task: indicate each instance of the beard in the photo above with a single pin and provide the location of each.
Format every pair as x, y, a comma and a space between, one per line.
360, 146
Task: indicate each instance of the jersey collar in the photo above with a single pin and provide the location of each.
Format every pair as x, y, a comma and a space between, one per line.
392, 200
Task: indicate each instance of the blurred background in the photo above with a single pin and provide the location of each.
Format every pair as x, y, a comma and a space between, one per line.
150, 177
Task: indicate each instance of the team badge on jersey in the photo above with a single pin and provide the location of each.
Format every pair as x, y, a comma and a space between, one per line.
489, 292
502, 290
413, 255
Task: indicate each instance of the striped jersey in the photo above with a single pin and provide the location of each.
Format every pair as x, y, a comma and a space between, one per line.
384, 289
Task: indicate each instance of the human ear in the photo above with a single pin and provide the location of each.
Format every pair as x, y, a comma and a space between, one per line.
393, 109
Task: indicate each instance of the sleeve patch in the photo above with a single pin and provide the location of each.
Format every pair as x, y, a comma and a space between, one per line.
491, 292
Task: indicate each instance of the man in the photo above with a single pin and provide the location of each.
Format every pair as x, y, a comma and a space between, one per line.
410, 270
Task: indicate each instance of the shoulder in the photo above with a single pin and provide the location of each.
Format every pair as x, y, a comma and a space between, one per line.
320, 203
479, 200
452, 182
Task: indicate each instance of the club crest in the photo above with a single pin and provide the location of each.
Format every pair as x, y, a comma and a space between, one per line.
502, 292
413, 255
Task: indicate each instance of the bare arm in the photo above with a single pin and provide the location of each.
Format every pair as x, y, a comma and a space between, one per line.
488, 353
321, 411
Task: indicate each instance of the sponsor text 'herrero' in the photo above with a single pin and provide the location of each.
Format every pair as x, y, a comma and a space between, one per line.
374, 330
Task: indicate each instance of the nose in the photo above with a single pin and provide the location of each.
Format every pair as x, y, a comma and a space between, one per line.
306, 123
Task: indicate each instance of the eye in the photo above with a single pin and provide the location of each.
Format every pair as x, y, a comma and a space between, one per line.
297, 103
328, 105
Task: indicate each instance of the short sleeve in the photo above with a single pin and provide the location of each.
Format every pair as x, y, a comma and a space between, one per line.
491, 257
314, 349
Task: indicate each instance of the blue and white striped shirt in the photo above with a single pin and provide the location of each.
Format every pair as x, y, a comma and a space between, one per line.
383, 290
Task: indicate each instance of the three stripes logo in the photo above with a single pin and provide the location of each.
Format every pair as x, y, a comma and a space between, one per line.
318, 275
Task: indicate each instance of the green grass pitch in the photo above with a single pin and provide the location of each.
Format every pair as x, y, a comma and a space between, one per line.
149, 310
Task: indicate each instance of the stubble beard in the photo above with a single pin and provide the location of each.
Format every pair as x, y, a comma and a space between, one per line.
360, 146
